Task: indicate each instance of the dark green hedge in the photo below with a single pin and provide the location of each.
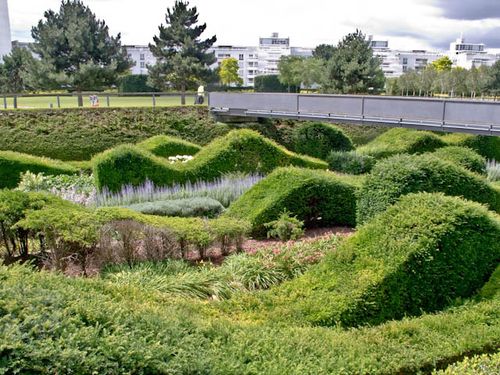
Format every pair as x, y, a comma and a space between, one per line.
318, 198
318, 139
463, 156
271, 83
419, 255
402, 141
239, 151
79, 134
12, 164
135, 83
165, 146
402, 174
487, 146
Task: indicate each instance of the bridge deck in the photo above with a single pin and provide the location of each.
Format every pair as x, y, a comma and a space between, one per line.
464, 116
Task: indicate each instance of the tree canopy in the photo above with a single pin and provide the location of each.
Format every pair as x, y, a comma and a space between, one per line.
442, 64
16, 72
182, 58
228, 72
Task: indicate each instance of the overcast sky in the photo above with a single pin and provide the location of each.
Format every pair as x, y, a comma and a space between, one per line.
407, 24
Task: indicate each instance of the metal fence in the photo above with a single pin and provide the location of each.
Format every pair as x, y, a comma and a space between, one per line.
450, 115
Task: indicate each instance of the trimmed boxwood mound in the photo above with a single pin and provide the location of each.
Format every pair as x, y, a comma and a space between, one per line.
487, 146
190, 207
165, 146
318, 139
402, 141
402, 174
79, 134
350, 162
486, 364
463, 156
239, 151
319, 198
12, 164
419, 255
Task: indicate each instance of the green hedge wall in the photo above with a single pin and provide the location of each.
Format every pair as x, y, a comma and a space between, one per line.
487, 146
319, 198
419, 255
165, 146
402, 174
135, 83
271, 83
79, 134
318, 139
402, 141
12, 164
463, 156
239, 151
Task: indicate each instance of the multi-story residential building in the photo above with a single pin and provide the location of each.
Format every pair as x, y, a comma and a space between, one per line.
470, 55
248, 60
142, 57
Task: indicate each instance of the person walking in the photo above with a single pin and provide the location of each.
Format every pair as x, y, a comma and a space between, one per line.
200, 98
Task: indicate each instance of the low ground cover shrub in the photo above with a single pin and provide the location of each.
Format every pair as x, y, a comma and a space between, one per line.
191, 207
225, 189
79, 134
285, 227
487, 146
319, 198
419, 255
402, 141
486, 364
239, 151
165, 146
318, 139
463, 156
350, 162
12, 164
402, 174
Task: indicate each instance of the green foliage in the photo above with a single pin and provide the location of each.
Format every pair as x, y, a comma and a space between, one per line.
135, 83
77, 50
12, 164
465, 157
324, 51
419, 255
486, 364
31, 182
181, 57
353, 69
493, 171
228, 72
350, 162
16, 71
285, 227
402, 174
489, 147
318, 198
442, 64
291, 69
239, 151
192, 207
399, 141
318, 139
165, 146
271, 83
79, 134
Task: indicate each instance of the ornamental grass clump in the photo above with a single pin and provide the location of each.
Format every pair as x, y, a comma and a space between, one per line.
493, 170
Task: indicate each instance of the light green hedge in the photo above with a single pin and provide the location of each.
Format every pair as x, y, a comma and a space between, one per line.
464, 157
239, 151
487, 146
165, 146
319, 198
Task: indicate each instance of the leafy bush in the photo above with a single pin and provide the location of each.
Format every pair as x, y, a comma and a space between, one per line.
271, 83
12, 164
318, 139
493, 170
486, 146
399, 141
191, 207
225, 189
165, 146
285, 227
79, 134
318, 198
402, 174
135, 83
350, 162
419, 255
486, 364
239, 151
465, 157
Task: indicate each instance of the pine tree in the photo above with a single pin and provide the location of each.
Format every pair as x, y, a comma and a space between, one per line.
76, 49
182, 58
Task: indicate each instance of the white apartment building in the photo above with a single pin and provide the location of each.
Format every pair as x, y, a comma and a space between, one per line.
470, 55
248, 61
142, 57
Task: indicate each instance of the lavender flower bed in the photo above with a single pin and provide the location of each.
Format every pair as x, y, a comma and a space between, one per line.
225, 189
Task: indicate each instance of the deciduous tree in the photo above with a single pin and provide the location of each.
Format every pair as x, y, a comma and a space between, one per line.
228, 72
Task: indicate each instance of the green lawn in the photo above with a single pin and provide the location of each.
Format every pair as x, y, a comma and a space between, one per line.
71, 102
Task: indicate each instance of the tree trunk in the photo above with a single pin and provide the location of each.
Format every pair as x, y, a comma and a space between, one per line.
80, 98
183, 94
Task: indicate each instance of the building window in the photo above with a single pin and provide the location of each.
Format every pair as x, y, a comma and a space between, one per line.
142, 56
242, 57
405, 68
143, 64
405, 60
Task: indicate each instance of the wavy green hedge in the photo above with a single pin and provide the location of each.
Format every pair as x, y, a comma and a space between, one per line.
165, 146
463, 156
486, 364
12, 164
319, 198
402, 141
239, 151
487, 146
419, 255
402, 174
